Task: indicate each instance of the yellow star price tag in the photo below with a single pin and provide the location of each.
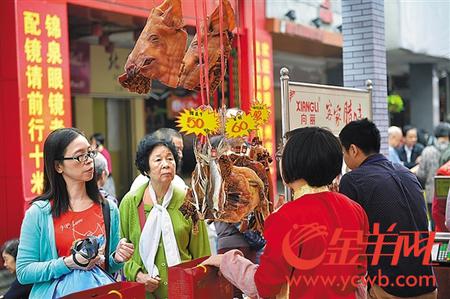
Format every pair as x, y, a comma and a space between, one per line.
240, 125
198, 121
260, 113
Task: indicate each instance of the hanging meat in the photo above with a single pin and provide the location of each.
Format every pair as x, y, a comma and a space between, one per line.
259, 153
207, 183
138, 83
259, 169
190, 68
244, 182
159, 50
223, 191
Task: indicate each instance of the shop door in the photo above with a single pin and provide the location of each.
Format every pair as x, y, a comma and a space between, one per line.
112, 118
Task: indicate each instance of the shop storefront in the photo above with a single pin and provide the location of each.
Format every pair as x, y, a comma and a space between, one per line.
60, 62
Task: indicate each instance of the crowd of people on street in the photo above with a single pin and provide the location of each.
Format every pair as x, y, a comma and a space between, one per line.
425, 161
144, 233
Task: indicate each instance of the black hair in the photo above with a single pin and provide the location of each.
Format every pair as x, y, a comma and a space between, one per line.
408, 128
313, 154
99, 138
424, 138
364, 134
442, 130
54, 184
10, 247
145, 148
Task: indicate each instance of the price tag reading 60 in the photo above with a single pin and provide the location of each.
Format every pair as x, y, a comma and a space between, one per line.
239, 126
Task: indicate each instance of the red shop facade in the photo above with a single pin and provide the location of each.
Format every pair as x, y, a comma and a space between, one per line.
35, 86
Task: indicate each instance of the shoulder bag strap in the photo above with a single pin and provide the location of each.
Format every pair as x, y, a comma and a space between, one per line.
141, 214
107, 220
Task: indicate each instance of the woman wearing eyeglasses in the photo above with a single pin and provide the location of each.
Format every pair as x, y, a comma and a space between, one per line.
70, 208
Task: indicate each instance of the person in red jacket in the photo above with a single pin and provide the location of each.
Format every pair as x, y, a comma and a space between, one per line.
306, 255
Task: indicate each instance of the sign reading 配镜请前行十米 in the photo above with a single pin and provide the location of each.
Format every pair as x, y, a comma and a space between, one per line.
44, 86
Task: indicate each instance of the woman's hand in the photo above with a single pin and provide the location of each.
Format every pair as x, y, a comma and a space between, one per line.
124, 251
70, 263
213, 260
151, 284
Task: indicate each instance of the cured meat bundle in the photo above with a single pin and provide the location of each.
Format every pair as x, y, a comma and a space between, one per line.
227, 187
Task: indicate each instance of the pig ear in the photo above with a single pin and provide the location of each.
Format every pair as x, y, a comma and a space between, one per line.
228, 18
172, 15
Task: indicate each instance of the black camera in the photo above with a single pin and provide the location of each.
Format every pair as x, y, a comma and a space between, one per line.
87, 248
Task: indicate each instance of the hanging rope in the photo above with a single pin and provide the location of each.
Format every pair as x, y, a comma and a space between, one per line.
239, 54
254, 48
199, 49
222, 61
206, 64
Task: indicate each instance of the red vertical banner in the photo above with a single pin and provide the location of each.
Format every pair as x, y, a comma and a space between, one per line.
264, 72
44, 83
265, 95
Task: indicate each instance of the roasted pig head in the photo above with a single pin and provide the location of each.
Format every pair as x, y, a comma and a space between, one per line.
159, 50
190, 68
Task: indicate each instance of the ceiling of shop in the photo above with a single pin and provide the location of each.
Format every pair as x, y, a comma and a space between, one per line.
398, 61
121, 29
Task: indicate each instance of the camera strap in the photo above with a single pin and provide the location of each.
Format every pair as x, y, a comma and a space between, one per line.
107, 220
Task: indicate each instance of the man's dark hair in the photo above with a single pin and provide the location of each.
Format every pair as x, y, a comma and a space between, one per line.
442, 130
145, 148
363, 133
408, 128
313, 154
99, 138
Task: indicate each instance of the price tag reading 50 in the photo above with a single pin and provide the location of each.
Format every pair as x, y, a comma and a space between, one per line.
195, 122
240, 125
198, 122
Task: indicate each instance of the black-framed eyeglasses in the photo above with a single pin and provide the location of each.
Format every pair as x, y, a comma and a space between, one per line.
81, 158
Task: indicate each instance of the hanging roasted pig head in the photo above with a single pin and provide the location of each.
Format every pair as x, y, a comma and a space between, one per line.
190, 68
159, 50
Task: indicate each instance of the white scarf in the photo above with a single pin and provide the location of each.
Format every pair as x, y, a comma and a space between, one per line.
158, 223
